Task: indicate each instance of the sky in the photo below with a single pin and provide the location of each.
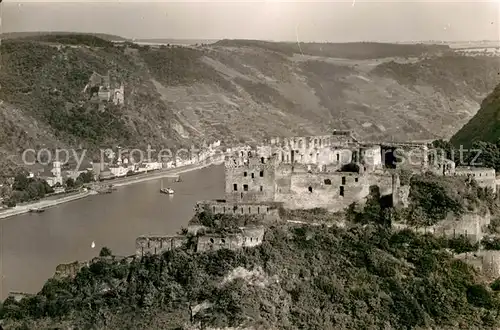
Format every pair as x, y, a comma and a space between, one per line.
333, 21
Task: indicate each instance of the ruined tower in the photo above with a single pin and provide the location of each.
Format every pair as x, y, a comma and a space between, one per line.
249, 177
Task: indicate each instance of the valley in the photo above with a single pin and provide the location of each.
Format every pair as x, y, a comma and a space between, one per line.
234, 90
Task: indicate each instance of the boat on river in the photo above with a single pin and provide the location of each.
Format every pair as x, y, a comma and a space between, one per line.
36, 210
167, 191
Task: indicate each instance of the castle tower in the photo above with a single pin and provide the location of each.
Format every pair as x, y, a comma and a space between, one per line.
249, 178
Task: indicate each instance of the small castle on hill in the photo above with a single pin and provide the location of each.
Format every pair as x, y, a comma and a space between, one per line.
102, 90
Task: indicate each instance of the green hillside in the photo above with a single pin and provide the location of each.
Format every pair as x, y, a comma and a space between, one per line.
377, 279
484, 126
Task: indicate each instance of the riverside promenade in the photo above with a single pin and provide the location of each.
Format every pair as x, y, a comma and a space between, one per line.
120, 182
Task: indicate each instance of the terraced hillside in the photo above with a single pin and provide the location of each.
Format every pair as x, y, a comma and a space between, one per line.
234, 90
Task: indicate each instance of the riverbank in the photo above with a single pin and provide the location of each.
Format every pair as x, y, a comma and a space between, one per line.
43, 204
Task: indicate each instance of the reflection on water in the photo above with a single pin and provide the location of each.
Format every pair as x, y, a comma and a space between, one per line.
34, 244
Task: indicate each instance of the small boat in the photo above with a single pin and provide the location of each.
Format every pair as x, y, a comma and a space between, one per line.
167, 191
178, 179
36, 210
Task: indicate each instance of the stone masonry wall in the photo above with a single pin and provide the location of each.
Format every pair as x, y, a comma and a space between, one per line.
157, 244
333, 191
471, 225
252, 183
249, 237
268, 211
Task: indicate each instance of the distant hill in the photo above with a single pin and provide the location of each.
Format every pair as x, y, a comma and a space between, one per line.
36, 35
351, 50
234, 90
176, 41
485, 125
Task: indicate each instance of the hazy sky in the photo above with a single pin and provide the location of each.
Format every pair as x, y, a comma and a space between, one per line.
272, 20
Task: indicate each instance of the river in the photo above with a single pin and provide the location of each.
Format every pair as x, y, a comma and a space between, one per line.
34, 244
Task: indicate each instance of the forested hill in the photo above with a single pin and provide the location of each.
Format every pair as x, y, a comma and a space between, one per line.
235, 90
485, 125
363, 275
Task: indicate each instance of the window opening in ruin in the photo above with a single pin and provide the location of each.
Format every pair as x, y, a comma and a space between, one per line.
251, 239
262, 160
241, 195
343, 180
342, 191
261, 188
212, 240
223, 241
253, 176
310, 189
149, 244
241, 210
258, 210
328, 181
224, 208
235, 187
161, 244
213, 209
338, 157
245, 174
356, 179
261, 174
245, 187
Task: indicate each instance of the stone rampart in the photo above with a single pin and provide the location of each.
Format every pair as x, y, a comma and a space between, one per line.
267, 211
248, 237
153, 245
470, 225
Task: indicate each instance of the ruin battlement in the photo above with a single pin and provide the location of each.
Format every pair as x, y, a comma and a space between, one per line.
250, 163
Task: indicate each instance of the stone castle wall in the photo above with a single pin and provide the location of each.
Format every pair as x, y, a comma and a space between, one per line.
485, 177
251, 183
471, 225
485, 261
249, 237
69, 270
267, 211
333, 191
157, 244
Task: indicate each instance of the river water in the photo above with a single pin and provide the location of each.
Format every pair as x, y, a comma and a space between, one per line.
34, 244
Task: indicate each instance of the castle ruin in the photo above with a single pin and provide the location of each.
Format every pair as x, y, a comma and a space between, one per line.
330, 172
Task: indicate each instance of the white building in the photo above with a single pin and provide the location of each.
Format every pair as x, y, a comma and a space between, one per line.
153, 166
118, 171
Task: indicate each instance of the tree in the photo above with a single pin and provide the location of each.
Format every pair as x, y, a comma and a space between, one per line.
105, 252
20, 182
70, 183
